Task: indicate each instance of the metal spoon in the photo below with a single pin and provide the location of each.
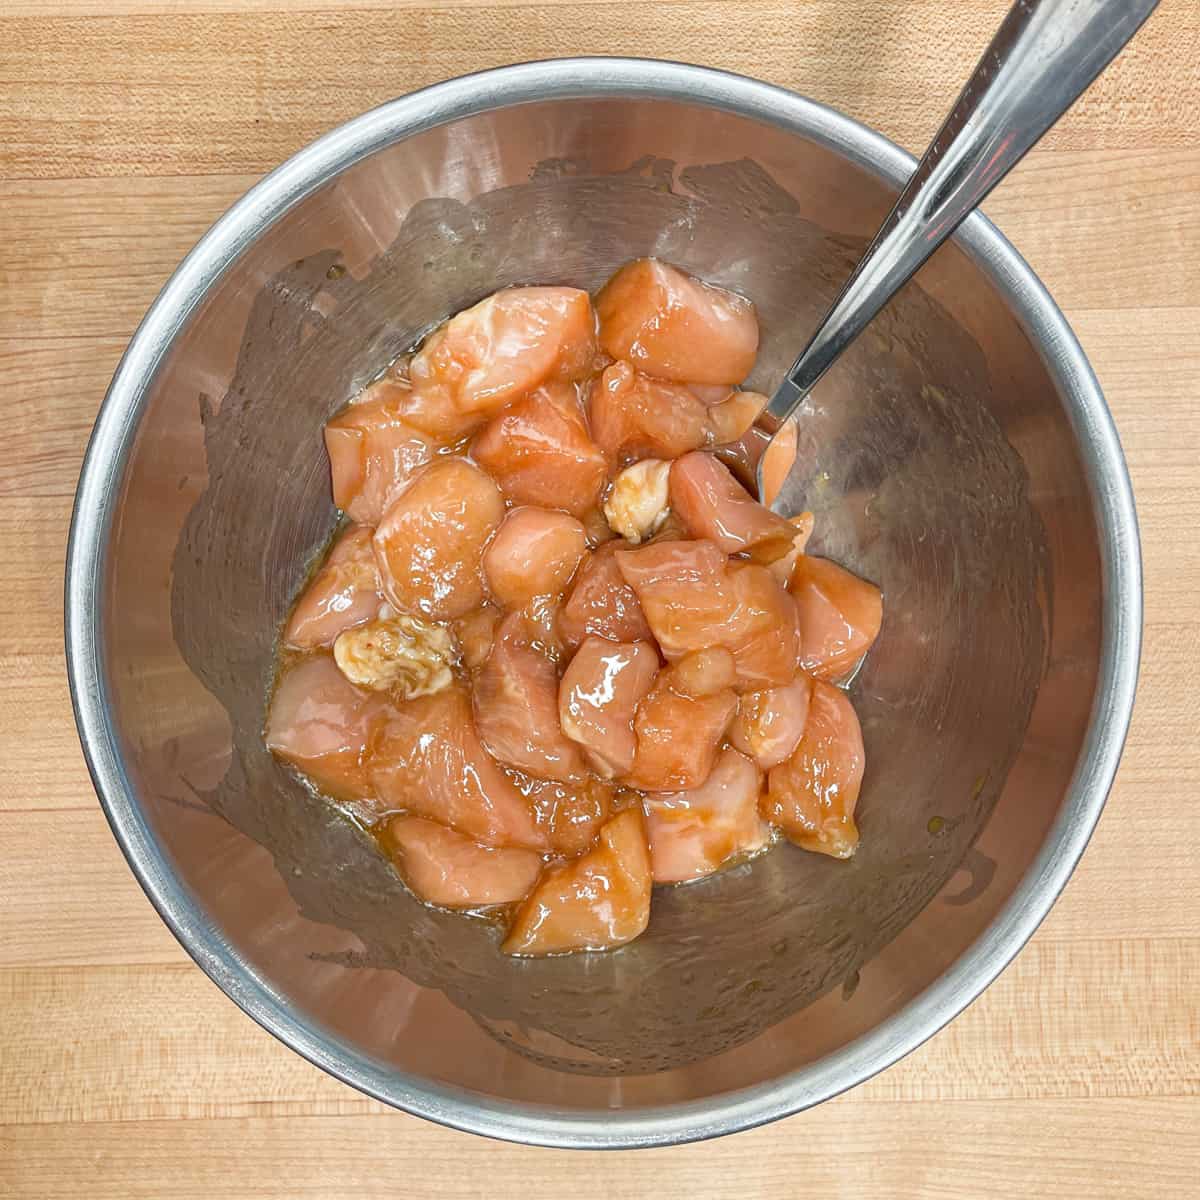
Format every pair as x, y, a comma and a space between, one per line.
1042, 58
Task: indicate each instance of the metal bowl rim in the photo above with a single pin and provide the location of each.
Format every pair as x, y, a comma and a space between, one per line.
96, 508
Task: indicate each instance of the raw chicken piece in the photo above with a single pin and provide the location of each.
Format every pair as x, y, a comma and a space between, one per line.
634, 416
673, 326
763, 631
345, 592
602, 603
769, 725
783, 568
693, 833
712, 504
373, 451
694, 599
325, 726
507, 345
429, 761
540, 452
639, 501
811, 797
730, 419
534, 553
475, 633
711, 393
571, 813
683, 590
599, 695
541, 616
430, 542
678, 736
445, 868
704, 672
516, 708
397, 653
434, 413
840, 616
597, 902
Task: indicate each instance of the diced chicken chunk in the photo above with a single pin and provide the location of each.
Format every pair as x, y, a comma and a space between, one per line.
673, 326
507, 345
602, 603
397, 653
812, 796
769, 725
730, 419
430, 542
783, 568
712, 504
571, 813
535, 553
343, 593
839, 616
373, 450
683, 590
541, 617
445, 868
597, 902
433, 412
429, 762
639, 501
634, 416
598, 696
762, 636
694, 599
540, 452
711, 394
694, 833
475, 633
516, 708
326, 727
678, 736
704, 672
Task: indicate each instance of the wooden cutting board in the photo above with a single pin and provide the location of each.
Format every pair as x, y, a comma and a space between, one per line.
126, 127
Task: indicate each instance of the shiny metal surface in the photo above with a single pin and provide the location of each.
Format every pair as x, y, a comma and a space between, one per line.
1043, 57
960, 454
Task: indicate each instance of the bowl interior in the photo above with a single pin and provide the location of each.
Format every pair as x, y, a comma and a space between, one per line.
938, 457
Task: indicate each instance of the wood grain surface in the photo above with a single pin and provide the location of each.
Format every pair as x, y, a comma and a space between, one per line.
126, 127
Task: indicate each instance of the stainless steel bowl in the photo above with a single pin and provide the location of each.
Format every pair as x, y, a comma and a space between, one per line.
962, 455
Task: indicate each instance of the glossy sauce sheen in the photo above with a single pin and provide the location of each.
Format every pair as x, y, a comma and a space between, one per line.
562, 655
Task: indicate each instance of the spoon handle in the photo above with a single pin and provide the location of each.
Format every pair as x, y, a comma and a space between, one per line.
1045, 53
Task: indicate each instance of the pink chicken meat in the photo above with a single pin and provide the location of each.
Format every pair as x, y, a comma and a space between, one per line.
694, 833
